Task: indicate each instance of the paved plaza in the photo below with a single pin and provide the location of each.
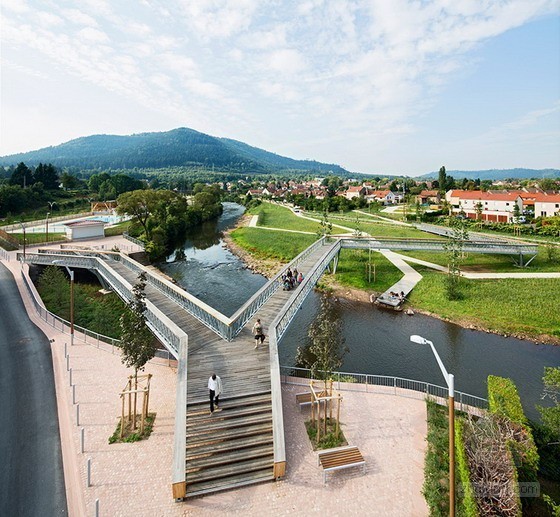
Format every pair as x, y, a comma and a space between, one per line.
135, 479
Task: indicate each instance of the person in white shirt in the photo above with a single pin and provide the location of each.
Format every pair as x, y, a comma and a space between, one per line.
214, 388
258, 333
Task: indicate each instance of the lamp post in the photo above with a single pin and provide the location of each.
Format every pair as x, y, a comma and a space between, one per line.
450, 380
71, 273
47, 227
51, 204
23, 228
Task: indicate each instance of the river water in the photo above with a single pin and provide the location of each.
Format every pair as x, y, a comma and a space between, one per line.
378, 340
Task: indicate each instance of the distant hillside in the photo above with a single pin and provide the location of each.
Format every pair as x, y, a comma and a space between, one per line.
179, 147
497, 174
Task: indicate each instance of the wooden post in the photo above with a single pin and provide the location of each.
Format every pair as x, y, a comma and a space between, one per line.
135, 397
122, 417
338, 417
330, 400
143, 413
318, 421
129, 388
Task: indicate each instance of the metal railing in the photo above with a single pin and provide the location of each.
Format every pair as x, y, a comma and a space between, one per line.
505, 248
164, 328
245, 312
17, 226
346, 381
136, 241
287, 313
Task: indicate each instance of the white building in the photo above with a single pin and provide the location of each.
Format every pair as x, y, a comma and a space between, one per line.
86, 229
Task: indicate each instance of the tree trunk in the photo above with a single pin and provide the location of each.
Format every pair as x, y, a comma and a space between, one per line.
135, 397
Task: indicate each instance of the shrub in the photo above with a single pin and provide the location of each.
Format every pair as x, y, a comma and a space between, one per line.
469, 507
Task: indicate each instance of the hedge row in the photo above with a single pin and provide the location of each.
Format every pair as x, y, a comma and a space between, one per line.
468, 504
504, 401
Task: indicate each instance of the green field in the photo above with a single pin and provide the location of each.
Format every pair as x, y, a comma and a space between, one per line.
268, 244
274, 216
510, 306
38, 238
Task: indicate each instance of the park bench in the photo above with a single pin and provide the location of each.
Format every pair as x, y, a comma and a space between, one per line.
303, 398
340, 458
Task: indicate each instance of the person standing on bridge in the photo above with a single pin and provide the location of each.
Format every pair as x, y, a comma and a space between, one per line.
258, 333
214, 389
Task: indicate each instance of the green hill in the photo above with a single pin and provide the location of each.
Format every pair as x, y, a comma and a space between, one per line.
179, 147
496, 174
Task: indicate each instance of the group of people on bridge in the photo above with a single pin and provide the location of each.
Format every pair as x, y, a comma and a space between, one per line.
291, 279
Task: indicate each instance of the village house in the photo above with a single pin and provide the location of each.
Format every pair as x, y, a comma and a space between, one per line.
547, 205
386, 197
353, 192
497, 207
427, 197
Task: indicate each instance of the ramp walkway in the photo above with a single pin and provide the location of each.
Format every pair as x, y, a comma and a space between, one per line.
244, 443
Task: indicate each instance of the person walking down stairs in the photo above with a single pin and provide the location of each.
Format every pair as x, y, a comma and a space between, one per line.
214, 389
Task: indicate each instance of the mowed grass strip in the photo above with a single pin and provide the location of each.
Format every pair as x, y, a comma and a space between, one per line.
274, 216
510, 306
267, 244
353, 271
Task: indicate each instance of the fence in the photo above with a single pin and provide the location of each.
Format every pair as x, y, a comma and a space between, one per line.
138, 242
387, 385
106, 343
17, 226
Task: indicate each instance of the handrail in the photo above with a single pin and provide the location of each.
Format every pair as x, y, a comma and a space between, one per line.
164, 328
251, 306
436, 245
98, 340
136, 241
349, 381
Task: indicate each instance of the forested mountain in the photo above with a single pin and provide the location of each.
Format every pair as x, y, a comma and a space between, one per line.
179, 147
497, 174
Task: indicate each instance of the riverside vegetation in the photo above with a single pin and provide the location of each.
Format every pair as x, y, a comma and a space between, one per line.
528, 308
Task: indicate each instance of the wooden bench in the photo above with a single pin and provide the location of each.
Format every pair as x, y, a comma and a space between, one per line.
303, 398
340, 458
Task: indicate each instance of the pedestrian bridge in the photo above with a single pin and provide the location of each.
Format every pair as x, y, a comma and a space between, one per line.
244, 443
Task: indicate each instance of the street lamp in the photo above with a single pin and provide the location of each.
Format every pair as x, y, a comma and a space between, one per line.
450, 380
47, 227
51, 204
23, 228
71, 273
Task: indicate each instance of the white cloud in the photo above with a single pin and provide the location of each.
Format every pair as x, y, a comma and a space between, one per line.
287, 61
78, 17
93, 35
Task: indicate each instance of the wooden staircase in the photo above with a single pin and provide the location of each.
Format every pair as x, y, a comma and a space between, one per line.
229, 448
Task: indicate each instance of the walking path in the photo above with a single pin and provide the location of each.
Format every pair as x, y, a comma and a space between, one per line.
134, 479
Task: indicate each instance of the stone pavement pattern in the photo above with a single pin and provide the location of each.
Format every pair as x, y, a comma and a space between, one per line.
135, 479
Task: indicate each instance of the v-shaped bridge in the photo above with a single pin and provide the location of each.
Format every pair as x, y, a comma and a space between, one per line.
244, 443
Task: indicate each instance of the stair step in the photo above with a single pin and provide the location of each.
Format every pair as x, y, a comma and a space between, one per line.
249, 478
201, 450
224, 471
223, 435
239, 400
225, 457
209, 425
227, 412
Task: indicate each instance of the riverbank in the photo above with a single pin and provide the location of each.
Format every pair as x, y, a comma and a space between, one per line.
269, 268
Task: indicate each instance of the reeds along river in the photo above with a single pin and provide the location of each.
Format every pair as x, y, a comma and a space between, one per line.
378, 340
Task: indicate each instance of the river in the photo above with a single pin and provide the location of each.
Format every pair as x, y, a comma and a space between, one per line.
378, 340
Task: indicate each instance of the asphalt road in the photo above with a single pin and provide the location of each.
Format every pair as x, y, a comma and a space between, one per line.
31, 475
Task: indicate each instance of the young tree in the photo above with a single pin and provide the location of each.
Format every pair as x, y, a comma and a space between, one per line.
454, 249
478, 210
137, 342
325, 227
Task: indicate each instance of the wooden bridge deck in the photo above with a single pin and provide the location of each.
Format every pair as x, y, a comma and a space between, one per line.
232, 447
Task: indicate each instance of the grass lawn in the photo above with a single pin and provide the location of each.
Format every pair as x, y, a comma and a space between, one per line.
352, 271
117, 229
38, 238
274, 216
482, 262
510, 306
267, 244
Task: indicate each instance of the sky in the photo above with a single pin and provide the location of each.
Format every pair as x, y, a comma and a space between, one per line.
376, 86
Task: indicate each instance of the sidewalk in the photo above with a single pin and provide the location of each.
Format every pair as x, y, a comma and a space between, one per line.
135, 479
